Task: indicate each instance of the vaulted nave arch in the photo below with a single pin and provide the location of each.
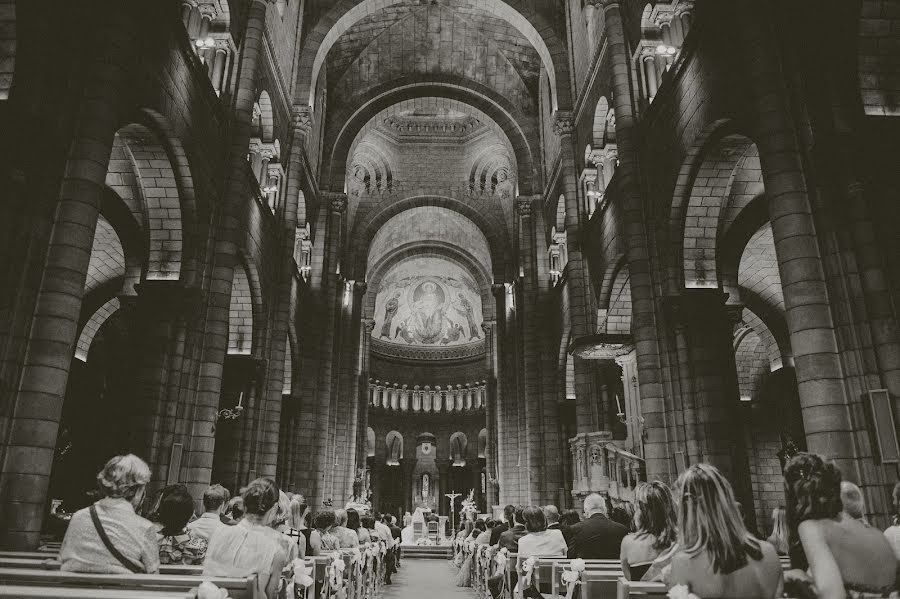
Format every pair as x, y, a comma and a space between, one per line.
534, 250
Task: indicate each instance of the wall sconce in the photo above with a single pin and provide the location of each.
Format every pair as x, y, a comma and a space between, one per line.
232, 413
348, 293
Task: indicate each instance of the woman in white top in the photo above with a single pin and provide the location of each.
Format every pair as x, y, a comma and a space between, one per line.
252, 546
539, 541
656, 529
122, 482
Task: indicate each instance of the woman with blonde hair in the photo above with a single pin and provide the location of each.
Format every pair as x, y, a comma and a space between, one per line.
109, 537
717, 556
656, 529
779, 536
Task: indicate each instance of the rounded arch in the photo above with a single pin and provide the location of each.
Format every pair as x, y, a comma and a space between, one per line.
370, 442
458, 445
350, 120
517, 13
393, 448
92, 327
599, 134
482, 443
262, 124
365, 230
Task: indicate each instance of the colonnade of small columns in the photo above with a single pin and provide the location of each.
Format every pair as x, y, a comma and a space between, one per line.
215, 48
265, 163
427, 398
595, 180
654, 56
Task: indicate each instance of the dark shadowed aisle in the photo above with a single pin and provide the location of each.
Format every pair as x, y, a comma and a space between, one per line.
426, 578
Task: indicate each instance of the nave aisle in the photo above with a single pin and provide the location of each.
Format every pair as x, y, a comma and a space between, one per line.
425, 578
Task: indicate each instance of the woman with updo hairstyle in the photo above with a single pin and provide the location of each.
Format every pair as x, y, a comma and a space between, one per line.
252, 546
656, 529
845, 557
716, 556
110, 537
322, 538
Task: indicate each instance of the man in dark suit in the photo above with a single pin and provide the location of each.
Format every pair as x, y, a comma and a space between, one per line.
391, 522
595, 537
508, 540
551, 513
509, 513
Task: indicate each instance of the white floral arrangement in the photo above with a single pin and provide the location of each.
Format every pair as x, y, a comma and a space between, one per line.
500, 558
572, 576
301, 578
425, 542
468, 504
336, 578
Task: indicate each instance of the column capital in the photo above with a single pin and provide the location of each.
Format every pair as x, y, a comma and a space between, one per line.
208, 10
337, 202
594, 3
523, 207
596, 157
563, 122
498, 289
359, 288
301, 118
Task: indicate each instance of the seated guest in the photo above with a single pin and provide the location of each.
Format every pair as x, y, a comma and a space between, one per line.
892, 533
596, 537
656, 529
540, 540
484, 537
477, 529
567, 520
252, 546
717, 556
368, 522
384, 531
288, 537
235, 511
322, 538
846, 558
510, 538
779, 536
354, 524
852, 501
551, 513
509, 513
109, 537
210, 521
298, 526
177, 544
346, 538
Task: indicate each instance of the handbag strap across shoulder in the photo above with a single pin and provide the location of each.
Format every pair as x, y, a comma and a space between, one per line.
137, 569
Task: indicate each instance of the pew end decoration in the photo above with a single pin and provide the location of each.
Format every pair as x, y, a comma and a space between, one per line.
572, 576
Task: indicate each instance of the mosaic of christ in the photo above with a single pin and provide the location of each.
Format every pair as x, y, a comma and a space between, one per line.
427, 310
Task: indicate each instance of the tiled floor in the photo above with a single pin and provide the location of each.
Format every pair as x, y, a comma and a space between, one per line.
426, 579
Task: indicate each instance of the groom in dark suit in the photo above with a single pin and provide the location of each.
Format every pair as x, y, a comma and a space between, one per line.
595, 537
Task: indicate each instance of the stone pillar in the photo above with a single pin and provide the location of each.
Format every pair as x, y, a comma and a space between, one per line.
490, 410
820, 372
42, 374
643, 327
709, 325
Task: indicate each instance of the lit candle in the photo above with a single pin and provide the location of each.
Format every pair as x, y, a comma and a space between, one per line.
240, 399
618, 404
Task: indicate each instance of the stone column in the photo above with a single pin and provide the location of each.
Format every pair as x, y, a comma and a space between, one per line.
643, 327
709, 325
490, 409
820, 372
42, 374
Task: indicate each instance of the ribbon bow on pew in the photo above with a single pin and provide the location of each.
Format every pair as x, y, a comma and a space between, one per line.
500, 558
572, 576
208, 590
528, 571
336, 578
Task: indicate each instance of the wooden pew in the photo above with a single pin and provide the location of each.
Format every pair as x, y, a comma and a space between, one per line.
85, 593
626, 589
238, 588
